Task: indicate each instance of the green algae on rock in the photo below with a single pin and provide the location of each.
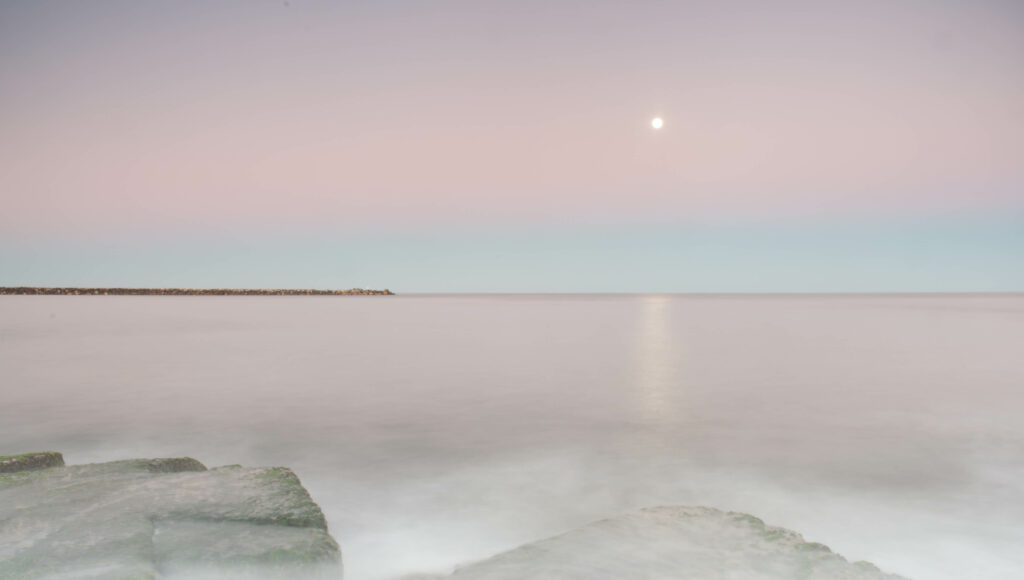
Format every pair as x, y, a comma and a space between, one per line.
30, 461
149, 518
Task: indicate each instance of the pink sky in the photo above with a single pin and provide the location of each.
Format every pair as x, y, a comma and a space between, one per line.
216, 115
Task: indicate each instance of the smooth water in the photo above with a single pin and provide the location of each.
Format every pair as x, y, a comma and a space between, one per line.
441, 429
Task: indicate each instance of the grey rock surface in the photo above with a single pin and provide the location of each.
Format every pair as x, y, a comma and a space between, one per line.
673, 543
161, 518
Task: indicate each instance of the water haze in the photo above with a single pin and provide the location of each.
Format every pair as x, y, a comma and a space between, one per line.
440, 429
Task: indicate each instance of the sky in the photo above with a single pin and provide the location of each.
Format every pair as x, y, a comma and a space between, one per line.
478, 146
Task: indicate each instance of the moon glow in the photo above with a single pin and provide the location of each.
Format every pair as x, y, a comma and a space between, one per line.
657, 122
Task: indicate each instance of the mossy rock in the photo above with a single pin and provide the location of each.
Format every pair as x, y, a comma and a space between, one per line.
174, 465
30, 461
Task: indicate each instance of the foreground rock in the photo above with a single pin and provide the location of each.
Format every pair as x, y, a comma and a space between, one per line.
673, 543
148, 518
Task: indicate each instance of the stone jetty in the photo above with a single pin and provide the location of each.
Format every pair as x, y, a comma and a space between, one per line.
34, 290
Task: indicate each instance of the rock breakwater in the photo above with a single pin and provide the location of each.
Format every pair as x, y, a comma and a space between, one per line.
34, 290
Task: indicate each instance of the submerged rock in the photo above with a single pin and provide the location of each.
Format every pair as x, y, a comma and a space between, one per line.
673, 543
150, 518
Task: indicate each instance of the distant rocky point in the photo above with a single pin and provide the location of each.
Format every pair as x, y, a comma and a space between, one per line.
144, 519
34, 290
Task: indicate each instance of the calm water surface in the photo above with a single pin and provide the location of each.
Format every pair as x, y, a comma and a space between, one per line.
440, 429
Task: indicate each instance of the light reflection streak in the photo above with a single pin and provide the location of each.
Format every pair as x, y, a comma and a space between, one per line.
654, 394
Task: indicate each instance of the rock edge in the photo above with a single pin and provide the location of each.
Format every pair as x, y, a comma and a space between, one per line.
30, 461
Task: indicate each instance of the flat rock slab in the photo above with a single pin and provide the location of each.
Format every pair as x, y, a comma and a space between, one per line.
673, 543
147, 518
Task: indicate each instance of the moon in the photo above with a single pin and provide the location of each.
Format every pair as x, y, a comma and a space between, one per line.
657, 122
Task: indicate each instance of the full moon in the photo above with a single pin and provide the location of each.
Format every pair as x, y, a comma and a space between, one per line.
657, 122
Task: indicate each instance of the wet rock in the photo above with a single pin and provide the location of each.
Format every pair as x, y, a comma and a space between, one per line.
149, 518
174, 465
30, 461
673, 543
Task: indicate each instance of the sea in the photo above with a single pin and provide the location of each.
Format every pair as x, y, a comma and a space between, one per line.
436, 430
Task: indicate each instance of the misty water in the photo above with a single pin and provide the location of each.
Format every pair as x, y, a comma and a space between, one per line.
437, 430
